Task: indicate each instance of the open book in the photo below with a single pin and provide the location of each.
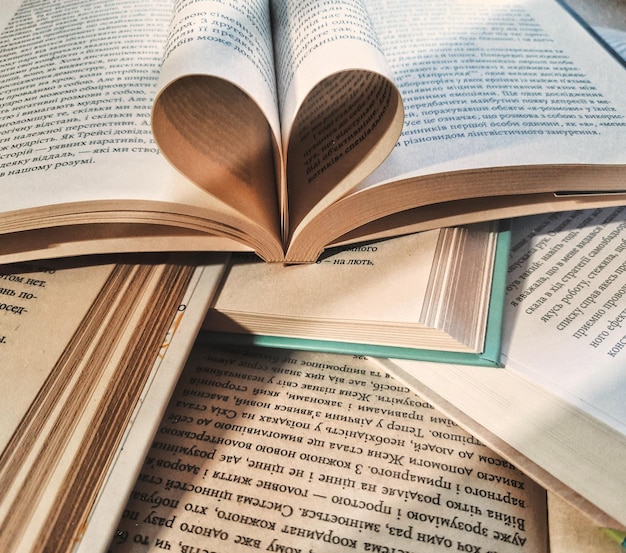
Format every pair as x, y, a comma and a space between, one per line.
294, 126
86, 351
433, 295
557, 408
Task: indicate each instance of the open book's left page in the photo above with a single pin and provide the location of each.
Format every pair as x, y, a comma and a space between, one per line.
34, 298
75, 141
290, 451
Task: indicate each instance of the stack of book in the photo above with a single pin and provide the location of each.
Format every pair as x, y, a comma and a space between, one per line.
317, 276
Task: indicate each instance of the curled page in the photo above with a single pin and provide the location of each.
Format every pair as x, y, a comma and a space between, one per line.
332, 116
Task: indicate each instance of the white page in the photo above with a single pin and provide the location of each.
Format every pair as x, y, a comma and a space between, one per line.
92, 107
567, 330
449, 70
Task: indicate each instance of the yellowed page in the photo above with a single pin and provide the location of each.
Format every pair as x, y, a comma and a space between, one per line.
340, 111
53, 468
571, 531
276, 450
50, 452
153, 402
43, 304
215, 116
220, 118
380, 282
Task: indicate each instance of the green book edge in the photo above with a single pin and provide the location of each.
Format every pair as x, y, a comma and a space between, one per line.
490, 357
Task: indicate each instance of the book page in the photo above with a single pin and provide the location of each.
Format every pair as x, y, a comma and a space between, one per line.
340, 111
571, 531
7, 11
505, 104
497, 84
378, 283
559, 401
54, 464
567, 286
76, 145
314, 41
410, 291
159, 387
34, 298
601, 13
66, 121
215, 115
225, 40
288, 451
558, 445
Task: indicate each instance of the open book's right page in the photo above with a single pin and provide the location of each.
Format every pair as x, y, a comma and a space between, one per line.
566, 308
499, 83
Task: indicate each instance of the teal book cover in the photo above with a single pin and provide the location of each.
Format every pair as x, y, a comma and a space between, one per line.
489, 356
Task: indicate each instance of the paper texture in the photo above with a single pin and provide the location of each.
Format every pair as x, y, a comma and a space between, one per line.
417, 296
566, 310
35, 298
153, 401
284, 450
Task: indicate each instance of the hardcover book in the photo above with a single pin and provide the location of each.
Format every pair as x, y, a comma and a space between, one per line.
434, 295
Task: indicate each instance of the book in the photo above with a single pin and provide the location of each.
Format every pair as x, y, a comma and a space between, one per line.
286, 450
151, 126
556, 409
433, 295
317, 432
86, 347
